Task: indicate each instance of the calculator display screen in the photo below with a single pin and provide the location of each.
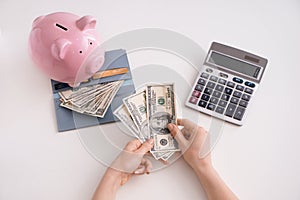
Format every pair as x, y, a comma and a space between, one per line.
234, 64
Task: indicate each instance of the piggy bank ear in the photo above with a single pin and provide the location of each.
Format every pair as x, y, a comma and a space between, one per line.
60, 48
37, 21
86, 22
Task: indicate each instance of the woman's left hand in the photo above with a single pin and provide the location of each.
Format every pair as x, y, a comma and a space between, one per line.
131, 160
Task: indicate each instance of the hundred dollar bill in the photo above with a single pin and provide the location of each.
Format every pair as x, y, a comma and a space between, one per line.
70, 106
168, 155
124, 116
136, 106
161, 111
164, 155
84, 98
102, 108
91, 100
77, 94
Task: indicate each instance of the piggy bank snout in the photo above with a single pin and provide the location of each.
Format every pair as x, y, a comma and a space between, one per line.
93, 65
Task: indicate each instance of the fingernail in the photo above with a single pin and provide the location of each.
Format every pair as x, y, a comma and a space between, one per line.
150, 141
170, 127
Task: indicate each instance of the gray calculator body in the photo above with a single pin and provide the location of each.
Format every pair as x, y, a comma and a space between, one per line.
226, 83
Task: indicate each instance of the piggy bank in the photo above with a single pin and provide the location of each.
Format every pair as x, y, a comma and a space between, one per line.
66, 47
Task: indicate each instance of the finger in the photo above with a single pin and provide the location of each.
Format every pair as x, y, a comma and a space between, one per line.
148, 164
165, 162
144, 167
145, 147
140, 170
148, 154
190, 126
172, 129
177, 134
182, 122
186, 133
133, 145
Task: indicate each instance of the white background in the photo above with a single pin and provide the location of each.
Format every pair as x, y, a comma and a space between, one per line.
259, 160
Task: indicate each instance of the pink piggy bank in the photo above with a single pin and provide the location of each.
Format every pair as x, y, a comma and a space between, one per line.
66, 47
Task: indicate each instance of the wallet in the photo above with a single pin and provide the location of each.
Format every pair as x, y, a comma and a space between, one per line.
70, 120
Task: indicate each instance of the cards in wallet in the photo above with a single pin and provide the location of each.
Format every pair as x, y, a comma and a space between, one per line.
116, 67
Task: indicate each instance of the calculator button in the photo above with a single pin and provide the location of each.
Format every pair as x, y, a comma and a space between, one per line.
237, 80
225, 97
248, 90
237, 94
246, 97
220, 110
240, 87
228, 91
234, 100
230, 110
216, 94
219, 88
205, 75
223, 75
211, 85
222, 103
208, 91
202, 104
230, 84
205, 97
201, 81
214, 78
214, 100
239, 113
199, 88
193, 100
209, 70
222, 81
249, 84
211, 107
196, 93
243, 103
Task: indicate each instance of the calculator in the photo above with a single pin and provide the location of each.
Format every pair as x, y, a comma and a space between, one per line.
226, 83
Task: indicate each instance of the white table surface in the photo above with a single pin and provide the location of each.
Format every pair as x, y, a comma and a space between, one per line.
259, 160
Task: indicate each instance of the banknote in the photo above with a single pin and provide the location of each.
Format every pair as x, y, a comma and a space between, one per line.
147, 113
84, 98
77, 94
167, 155
124, 116
70, 106
136, 106
91, 100
106, 101
161, 111
164, 155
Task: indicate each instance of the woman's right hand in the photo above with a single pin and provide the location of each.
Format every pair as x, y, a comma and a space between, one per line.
193, 142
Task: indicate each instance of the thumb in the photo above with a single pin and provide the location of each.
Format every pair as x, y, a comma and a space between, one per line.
145, 147
177, 134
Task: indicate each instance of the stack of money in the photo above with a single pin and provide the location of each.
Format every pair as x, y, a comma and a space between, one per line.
91, 100
147, 113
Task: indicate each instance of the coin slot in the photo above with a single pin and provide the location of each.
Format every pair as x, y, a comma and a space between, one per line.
61, 26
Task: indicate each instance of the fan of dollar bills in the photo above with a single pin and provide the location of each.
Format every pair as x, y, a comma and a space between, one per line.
92, 100
147, 113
